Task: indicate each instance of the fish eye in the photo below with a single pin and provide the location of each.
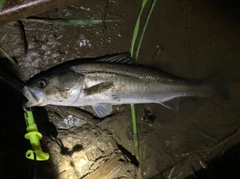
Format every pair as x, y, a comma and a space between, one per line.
42, 84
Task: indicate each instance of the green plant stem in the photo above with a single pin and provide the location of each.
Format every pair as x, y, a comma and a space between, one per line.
133, 110
170, 173
1, 4
74, 22
136, 29
134, 122
84, 21
135, 140
144, 28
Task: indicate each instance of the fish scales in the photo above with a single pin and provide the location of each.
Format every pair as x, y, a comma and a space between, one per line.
101, 84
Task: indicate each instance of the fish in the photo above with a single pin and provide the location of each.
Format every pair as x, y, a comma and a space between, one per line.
106, 81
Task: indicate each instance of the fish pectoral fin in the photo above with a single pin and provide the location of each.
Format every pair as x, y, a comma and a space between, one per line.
102, 110
99, 88
171, 104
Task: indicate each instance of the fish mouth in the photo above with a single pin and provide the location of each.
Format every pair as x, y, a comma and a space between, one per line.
34, 97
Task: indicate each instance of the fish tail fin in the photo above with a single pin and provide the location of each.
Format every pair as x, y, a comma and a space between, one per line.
219, 88
221, 93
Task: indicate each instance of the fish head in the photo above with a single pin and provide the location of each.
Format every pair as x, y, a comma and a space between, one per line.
60, 88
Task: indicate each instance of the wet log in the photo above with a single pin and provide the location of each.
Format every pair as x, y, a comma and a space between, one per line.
18, 9
116, 167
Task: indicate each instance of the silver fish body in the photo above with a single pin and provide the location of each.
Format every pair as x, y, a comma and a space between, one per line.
108, 81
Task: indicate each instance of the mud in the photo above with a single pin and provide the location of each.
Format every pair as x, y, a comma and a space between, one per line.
191, 39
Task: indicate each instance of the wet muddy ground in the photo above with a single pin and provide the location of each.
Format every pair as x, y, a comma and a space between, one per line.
191, 39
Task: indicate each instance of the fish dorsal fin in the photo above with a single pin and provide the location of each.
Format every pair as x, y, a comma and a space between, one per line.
102, 110
171, 104
118, 58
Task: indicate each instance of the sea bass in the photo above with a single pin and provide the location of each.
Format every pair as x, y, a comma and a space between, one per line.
107, 81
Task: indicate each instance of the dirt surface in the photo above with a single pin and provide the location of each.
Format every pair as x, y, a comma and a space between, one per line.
191, 39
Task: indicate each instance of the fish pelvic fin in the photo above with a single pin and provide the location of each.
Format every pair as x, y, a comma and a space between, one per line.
102, 110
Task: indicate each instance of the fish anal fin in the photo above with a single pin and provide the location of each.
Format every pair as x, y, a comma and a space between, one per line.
171, 104
102, 110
